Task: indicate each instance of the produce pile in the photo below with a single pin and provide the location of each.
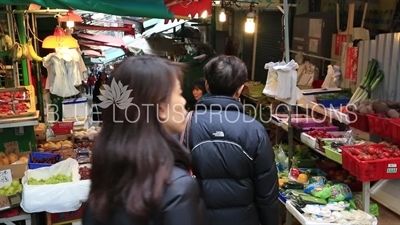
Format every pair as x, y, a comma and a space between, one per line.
12, 158
56, 179
14, 188
374, 152
322, 134
49, 146
50, 160
386, 109
84, 171
14, 103
253, 89
344, 94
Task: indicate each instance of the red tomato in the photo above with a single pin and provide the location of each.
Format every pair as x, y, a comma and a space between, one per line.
396, 155
356, 151
371, 150
386, 155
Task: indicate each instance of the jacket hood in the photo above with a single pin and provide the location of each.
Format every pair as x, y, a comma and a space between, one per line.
223, 103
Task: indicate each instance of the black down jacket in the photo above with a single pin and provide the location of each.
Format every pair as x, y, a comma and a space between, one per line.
234, 162
181, 205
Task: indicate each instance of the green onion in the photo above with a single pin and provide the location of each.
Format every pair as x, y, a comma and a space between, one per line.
371, 79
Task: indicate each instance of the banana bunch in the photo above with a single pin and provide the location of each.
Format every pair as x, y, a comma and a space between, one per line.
31, 53
6, 43
16, 52
19, 52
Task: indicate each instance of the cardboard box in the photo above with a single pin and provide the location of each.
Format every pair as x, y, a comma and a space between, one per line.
7, 202
17, 170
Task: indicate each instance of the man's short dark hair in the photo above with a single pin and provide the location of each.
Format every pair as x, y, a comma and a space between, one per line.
225, 74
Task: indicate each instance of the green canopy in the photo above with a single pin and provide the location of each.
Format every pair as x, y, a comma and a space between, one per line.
139, 8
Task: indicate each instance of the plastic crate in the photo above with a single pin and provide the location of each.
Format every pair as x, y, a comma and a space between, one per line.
41, 155
394, 129
333, 103
333, 155
379, 125
62, 127
373, 170
67, 216
359, 121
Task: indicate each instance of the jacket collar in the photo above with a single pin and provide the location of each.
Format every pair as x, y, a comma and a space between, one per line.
214, 102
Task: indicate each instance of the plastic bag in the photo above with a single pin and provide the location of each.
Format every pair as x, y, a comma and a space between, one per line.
271, 83
340, 192
281, 158
322, 191
314, 182
54, 198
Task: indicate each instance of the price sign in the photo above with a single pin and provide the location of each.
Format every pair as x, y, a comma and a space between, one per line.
11, 147
5, 177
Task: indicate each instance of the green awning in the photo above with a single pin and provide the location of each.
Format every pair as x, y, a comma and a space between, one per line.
138, 8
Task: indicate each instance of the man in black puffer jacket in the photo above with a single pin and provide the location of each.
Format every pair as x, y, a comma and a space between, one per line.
233, 158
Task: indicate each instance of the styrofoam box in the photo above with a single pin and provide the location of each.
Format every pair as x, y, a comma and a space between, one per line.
312, 142
75, 108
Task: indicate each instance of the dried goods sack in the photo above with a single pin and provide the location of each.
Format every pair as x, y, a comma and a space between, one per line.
54, 198
271, 84
287, 79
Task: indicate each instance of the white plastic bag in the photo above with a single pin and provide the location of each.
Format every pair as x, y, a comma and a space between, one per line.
271, 83
287, 79
54, 198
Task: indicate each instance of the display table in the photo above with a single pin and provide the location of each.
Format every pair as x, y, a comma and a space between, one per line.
21, 217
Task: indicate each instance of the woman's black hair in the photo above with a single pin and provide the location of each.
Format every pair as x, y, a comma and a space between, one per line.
133, 155
200, 83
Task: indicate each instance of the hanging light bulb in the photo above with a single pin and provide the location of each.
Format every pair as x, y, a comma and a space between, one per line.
70, 24
217, 2
250, 26
204, 14
222, 16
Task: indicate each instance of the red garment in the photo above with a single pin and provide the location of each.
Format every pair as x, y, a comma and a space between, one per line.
91, 81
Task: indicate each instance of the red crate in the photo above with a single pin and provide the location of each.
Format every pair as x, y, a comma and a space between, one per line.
62, 127
373, 170
394, 129
358, 121
67, 216
379, 125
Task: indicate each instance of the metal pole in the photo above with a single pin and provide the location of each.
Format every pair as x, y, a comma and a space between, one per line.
286, 19
22, 36
38, 71
253, 61
48, 11
11, 31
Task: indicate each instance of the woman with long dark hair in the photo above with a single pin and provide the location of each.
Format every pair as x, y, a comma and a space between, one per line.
140, 173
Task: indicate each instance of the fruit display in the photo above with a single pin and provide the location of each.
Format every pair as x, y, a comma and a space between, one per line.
87, 134
84, 171
83, 142
56, 179
49, 146
322, 134
48, 160
374, 152
12, 158
15, 102
19, 52
12, 189
386, 109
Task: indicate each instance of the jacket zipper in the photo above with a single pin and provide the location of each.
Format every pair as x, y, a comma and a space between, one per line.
222, 141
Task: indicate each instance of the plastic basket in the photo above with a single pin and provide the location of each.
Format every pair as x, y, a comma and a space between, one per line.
379, 125
333, 155
333, 103
373, 170
394, 129
62, 127
41, 155
359, 121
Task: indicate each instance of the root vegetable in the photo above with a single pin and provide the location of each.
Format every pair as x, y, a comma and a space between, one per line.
365, 102
364, 110
380, 107
393, 114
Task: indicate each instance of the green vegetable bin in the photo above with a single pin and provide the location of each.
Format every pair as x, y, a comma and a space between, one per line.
332, 154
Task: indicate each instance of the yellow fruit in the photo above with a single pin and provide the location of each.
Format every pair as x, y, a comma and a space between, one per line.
13, 158
303, 178
6, 161
23, 159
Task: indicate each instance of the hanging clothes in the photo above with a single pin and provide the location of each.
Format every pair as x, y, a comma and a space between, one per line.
65, 71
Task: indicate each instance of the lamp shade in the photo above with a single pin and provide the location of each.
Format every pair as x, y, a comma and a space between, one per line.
59, 39
71, 16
